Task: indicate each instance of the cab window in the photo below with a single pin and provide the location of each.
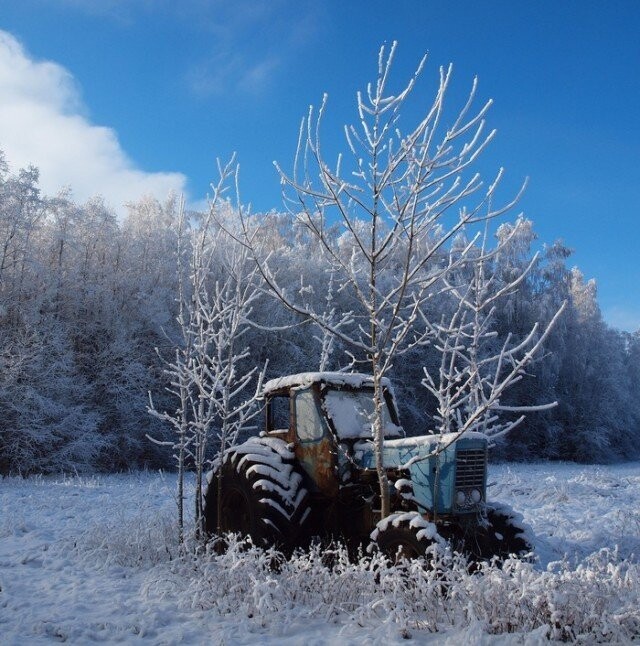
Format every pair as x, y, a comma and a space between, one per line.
309, 423
279, 413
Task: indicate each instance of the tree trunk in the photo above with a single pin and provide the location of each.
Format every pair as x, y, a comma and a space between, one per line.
378, 439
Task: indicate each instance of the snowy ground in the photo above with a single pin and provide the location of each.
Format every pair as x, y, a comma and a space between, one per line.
94, 559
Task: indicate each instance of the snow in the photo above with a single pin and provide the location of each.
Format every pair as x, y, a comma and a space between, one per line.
277, 474
266, 457
352, 414
95, 559
305, 379
426, 530
432, 440
277, 507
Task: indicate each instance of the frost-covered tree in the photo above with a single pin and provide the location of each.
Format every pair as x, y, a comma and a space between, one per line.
235, 380
47, 424
22, 210
85, 299
397, 199
596, 405
477, 368
209, 373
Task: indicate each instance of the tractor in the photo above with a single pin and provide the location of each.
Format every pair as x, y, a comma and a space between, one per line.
311, 473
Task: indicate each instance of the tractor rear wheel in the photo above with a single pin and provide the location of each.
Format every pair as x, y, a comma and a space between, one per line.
258, 492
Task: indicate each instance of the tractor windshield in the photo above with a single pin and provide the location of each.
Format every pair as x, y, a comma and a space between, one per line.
352, 412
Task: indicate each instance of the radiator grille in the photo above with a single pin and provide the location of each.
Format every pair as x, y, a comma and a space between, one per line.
470, 468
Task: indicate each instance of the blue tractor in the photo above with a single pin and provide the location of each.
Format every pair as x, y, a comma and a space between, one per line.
311, 473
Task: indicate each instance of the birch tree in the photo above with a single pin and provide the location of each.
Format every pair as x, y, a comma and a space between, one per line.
398, 198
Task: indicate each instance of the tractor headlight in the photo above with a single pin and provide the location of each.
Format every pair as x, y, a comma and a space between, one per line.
476, 496
461, 498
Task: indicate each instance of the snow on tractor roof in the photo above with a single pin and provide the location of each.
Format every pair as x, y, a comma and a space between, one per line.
304, 379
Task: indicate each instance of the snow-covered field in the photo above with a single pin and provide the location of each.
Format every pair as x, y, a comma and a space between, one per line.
95, 559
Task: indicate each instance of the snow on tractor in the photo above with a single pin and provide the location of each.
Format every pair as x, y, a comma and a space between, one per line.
312, 473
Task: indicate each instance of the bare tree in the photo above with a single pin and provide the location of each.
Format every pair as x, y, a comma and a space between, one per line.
22, 210
476, 369
225, 310
398, 199
209, 374
179, 370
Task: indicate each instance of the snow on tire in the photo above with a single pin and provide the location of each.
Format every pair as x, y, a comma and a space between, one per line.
405, 536
262, 496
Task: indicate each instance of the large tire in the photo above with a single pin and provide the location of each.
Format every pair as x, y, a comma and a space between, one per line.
262, 494
502, 535
405, 536
508, 530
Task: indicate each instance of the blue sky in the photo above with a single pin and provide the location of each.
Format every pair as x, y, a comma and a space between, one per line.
124, 97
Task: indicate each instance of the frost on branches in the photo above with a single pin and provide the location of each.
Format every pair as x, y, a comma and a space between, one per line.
475, 368
210, 375
383, 218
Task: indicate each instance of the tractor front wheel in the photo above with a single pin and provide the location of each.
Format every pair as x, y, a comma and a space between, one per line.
405, 536
500, 534
507, 533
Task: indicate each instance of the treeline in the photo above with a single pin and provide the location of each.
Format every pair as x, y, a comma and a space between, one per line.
88, 311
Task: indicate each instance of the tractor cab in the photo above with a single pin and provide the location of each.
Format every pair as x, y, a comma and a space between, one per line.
327, 416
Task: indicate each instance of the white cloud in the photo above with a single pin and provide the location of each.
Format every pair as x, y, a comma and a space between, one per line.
43, 122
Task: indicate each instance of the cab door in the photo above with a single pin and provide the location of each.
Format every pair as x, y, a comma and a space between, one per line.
313, 442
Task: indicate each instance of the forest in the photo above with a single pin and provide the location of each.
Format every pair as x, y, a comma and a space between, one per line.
89, 319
